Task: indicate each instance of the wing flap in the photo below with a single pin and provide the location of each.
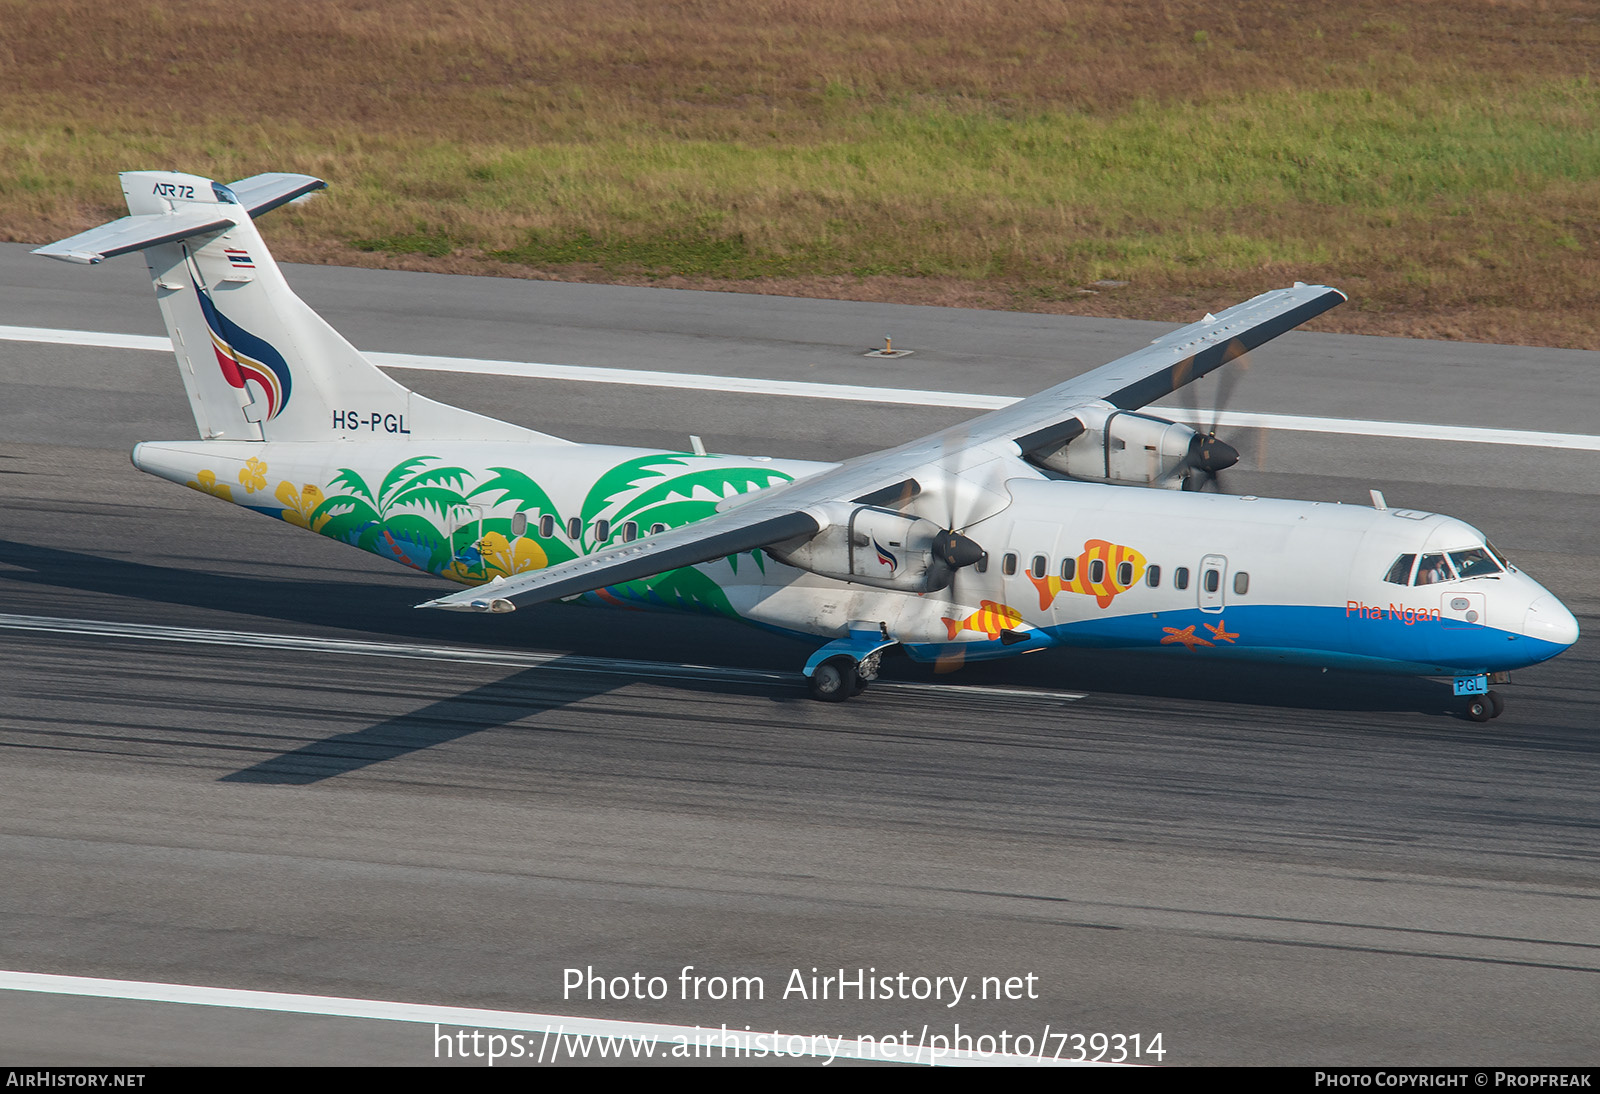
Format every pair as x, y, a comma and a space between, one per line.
1206, 346
1188, 353
715, 537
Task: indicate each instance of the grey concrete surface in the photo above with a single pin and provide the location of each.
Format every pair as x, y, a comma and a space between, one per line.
1265, 866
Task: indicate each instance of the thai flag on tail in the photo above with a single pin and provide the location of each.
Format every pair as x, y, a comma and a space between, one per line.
239, 260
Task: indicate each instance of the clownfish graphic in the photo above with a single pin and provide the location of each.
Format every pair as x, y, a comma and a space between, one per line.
1099, 572
989, 619
243, 358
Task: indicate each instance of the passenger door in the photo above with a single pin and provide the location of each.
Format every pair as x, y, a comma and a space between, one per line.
1212, 583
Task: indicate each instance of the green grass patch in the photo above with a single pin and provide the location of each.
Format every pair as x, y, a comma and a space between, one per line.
1444, 166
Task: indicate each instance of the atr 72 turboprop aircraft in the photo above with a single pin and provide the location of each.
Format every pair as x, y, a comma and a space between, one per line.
1067, 519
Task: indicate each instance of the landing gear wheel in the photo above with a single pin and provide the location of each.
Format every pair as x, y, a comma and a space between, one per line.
834, 680
1479, 708
1497, 705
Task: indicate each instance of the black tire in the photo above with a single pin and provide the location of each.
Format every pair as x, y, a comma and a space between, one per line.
861, 684
1497, 705
834, 680
1479, 708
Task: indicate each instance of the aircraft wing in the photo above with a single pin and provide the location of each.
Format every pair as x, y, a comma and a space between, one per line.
1042, 421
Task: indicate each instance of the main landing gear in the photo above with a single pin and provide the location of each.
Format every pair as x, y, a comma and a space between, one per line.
1480, 708
844, 667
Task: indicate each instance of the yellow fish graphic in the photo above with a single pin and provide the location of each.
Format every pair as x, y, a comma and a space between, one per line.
989, 619
1111, 556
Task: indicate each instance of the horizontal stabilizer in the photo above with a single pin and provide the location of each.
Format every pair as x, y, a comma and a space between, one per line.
264, 193
137, 233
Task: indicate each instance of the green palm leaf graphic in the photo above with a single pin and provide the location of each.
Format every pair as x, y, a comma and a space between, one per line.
347, 516
396, 473
440, 499
715, 484
351, 479
685, 590
518, 489
436, 476
623, 477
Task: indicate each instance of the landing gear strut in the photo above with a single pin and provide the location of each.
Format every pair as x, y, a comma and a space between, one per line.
846, 666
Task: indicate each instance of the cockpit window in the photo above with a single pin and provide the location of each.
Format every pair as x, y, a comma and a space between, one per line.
1475, 562
1434, 569
1400, 572
1500, 558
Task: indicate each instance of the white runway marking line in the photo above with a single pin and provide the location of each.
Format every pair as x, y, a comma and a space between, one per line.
661, 670
745, 385
547, 1025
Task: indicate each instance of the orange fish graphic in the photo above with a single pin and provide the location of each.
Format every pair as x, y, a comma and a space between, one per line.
989, 619
1110, 571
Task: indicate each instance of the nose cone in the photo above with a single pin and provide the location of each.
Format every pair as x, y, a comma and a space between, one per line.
1209, 454
1549, 621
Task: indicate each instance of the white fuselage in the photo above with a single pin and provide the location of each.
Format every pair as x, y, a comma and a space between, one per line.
1069, 563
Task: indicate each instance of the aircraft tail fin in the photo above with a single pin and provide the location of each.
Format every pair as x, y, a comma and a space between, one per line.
257, 362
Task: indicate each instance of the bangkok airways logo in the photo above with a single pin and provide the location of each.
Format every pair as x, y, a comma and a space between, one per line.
245, 358
885, 557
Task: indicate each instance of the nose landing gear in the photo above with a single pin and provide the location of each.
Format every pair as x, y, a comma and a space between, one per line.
1481, 703
1480, 708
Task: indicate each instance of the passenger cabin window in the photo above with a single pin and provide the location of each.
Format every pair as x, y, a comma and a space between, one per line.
1180, 577
1008, 565
1213, 580
602, 531
1124, 574
982, 565
574, 529
519, 524
657, 529
1069, 569
630, 531
1433, 569
1152, 576
1241, 583
1040, 563
1476, 562
547, 526
1400, 572
1097, 570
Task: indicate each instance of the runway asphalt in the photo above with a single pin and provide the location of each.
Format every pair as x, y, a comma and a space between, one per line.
1263, 866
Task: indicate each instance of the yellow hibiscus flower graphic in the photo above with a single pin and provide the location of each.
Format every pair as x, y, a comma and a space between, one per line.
504, 559
253, 475
300, 504
206, 482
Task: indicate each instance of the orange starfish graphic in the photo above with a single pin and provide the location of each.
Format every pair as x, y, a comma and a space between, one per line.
1221, 633
1186, 636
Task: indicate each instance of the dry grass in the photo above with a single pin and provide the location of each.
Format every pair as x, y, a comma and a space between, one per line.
1439, 161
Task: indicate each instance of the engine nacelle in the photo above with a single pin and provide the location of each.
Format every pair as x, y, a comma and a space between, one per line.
1123, 447
870, 546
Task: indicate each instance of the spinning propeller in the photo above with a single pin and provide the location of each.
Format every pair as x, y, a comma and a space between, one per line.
1209, 456
953, 550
